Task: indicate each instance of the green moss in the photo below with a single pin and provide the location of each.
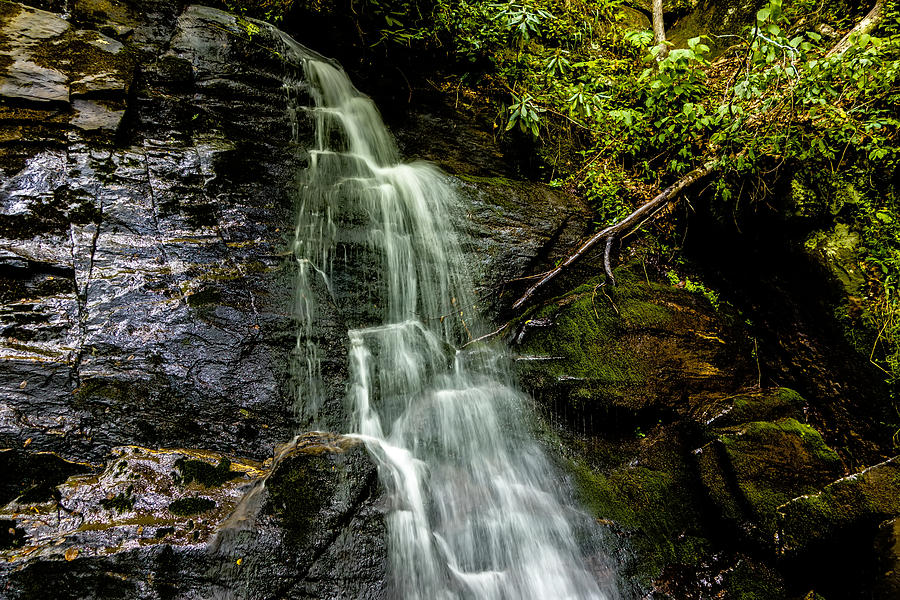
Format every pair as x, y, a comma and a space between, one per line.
754, 581
503, 181
655, 502
110, 389
74, 54
584, 324
759, 466
298, 491
204, 473
768, 406
121, 502
191, 506
813, 446
854, 502
621, 495
8, 11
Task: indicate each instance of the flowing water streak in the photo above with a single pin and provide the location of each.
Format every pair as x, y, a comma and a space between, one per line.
473, 507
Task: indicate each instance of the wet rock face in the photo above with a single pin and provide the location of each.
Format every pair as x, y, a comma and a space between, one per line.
145, 304
181, 523
145, 298
148, 174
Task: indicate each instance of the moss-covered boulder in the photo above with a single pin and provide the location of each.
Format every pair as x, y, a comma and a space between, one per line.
854, 503
752, 469
653, 384
631, 355
315, 481
652, 498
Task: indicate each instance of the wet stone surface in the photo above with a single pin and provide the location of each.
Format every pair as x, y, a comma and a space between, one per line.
187, 523
148, 175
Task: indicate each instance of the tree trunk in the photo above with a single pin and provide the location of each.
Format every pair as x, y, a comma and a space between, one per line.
866, 25
659, 30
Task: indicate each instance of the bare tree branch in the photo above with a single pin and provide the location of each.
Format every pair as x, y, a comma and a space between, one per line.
614, 231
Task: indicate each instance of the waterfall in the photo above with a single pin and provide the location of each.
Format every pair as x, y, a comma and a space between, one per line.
473, 508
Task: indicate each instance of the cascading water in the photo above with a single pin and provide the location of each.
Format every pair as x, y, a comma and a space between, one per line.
473, 506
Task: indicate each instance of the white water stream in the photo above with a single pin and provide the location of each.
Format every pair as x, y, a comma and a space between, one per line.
473, 504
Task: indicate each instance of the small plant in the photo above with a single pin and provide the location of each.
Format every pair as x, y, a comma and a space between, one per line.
525, 113
184, 507
521, 20
695, 287
121, 502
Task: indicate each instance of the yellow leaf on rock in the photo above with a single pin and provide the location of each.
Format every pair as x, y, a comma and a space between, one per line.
71, 554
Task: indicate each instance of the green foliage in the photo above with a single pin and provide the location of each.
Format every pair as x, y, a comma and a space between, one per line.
184, 507
121, 502
203, 472
522, 20
526, 114
615, 122
696, 287
267, 10
602, 187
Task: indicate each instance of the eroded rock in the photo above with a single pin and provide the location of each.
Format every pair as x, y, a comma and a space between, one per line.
176, 521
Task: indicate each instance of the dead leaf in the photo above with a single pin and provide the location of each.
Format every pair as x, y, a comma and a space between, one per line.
71, 554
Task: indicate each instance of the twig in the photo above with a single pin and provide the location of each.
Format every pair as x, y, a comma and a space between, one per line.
487, 335
615, 308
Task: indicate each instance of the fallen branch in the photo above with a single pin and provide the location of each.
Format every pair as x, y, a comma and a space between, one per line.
613, 232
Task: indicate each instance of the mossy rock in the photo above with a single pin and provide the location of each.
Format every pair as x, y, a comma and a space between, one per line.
750, 580
854, 503
761, 405
191, 506
655, 500
314, 482
752, 469
640, 346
